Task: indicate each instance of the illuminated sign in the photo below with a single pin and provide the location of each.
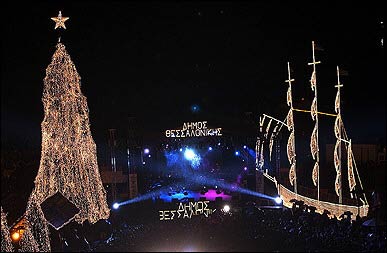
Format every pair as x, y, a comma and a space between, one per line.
187, 210
193, 129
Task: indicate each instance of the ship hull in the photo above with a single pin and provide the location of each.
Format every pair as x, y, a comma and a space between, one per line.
334, 209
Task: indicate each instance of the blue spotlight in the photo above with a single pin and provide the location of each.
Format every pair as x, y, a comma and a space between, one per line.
181, 149
195, 108
116, 205
278, 200
146, 151
189, 154
236, 153
244, 147
209, 148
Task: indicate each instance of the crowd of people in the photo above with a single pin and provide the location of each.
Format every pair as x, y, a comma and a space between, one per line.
246, 227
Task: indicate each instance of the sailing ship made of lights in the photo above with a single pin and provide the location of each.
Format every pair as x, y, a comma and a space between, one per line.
289, 196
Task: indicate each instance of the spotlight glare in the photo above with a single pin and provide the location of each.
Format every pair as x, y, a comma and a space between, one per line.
146, 151
190, 249
244, 147
116, 205
209, 148
189, 154
236, 153
195, 108
226, 208
278, 200
245, 168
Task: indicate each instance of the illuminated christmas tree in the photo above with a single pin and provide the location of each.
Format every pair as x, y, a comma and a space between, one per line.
36, 235
6, 244
68, 159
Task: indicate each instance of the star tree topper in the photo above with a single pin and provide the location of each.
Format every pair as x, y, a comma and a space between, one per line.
59, 21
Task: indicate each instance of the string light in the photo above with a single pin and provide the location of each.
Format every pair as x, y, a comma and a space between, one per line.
351, 176
68, 158
337, 150
313, 142
288, 195
334, 209
6, 244
337, 163
36, 237
323, 113
314, 138
315, 173
59, 21
289, 120
259, 146
291, 146
268, 128
291, 157
69, 161
271, 142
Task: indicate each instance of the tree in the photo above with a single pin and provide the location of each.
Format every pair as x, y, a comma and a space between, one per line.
68, 158
6, 244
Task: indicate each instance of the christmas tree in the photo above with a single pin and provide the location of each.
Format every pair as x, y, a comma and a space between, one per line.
68, 158
36, 235
6, 244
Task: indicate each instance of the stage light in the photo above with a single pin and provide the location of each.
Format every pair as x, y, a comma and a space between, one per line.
116, 205
15, 236
146, 151
244, 147
236, 153
218, 143
181, 149
210, 148
245, 168
226, 208
278, 200
189, 154
195, 108
190, 249
149, 155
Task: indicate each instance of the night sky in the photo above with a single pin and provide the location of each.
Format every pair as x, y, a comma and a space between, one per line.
156, 60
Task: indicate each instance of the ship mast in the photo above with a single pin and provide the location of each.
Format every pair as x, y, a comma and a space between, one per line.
314, 139
337, 151
259, 160
291, 147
